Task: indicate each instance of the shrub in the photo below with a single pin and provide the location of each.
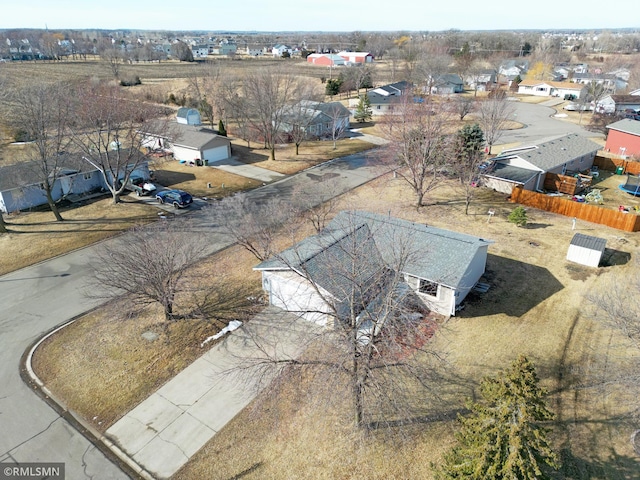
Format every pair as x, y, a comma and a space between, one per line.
130, 82
518, 216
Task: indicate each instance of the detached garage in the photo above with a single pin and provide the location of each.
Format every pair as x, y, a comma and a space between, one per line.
586, 250
201, 145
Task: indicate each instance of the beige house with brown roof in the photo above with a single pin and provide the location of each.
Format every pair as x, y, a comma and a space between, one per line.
542, 88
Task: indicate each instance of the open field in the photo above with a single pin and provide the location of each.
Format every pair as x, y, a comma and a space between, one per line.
535, 306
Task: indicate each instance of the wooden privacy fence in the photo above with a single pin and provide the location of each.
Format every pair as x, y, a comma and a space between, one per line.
629, 222
611, 163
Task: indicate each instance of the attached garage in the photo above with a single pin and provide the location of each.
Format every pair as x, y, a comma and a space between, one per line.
293, 293
586, 250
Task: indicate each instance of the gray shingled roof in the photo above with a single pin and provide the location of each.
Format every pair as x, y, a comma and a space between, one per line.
199, 138
626, 125
511, 173
589, 242
553, 153
437, 255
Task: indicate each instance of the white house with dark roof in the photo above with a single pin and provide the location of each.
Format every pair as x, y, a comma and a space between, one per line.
442, 268
527, 166
382, 99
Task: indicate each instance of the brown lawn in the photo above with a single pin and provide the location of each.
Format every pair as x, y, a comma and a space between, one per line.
535, 306
36, 236
310, 153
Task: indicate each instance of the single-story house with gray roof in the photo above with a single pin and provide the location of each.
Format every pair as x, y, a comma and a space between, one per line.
527, 166
312, 279
21, 185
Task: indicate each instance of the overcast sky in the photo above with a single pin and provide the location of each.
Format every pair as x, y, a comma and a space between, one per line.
324, 15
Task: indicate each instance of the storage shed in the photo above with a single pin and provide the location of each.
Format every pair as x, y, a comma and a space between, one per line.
586, 250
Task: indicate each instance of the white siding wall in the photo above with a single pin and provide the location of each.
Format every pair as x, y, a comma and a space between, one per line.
294, 294
499, 185
583, 256
186, 154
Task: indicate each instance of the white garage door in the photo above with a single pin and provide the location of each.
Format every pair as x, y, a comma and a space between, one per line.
296, 296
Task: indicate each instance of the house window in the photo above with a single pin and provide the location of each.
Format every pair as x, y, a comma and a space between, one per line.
428, 288
87, 176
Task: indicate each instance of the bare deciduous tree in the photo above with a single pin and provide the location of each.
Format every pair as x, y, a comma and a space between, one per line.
107, 131
147, 266
265, 93
494, 113
252, 225
43, 111
468, 145
417, 144
374, 349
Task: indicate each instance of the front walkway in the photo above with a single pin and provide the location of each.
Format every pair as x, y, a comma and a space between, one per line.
170, 426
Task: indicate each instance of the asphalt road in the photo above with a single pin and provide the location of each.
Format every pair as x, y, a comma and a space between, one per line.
539, 124
35, 299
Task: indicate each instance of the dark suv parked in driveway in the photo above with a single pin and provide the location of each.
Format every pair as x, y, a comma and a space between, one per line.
177, 198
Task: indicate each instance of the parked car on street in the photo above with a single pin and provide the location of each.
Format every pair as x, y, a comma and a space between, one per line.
177, 198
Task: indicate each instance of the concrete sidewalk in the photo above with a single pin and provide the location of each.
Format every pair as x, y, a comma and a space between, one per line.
170, 426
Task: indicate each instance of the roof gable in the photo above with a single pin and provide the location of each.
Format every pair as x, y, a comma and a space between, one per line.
626, 125
441, 256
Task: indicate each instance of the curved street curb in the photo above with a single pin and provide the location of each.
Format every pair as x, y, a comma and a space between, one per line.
102, 443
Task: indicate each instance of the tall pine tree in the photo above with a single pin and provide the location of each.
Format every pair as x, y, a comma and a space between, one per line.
363, 110
502, 437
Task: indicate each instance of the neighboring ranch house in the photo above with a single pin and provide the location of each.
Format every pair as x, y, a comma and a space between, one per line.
482, 81
624, 138
353, 58
382, 99
528, 166
255, 51
326, 59
542, 88
21, 189
513, 68
316, 118
443, 268
586, 250
446, 84
610, 82
618, 103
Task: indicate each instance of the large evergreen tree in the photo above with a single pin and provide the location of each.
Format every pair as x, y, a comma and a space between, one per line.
468, 148
502, 437
363, 110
